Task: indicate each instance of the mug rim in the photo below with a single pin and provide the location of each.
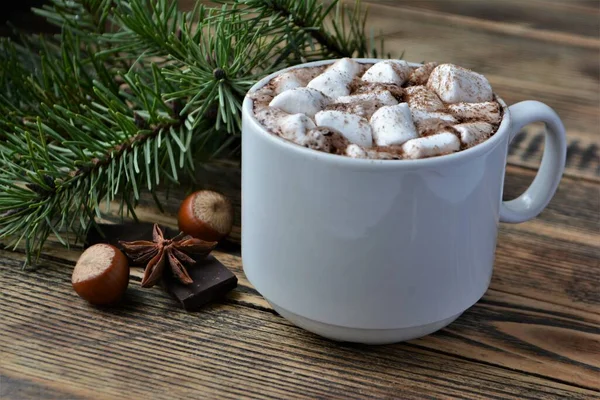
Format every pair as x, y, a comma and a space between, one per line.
436, 161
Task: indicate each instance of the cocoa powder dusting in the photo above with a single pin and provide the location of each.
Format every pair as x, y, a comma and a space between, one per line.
365, 87
420, 75
362, 108
432, 126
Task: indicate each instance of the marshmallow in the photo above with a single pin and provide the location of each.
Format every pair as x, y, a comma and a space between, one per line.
393, 125
270, 117
297, 77
331, 84
389, 71
423, 99
353, 127
315, 140
420, 76
300, 100
383, 97
487, 112
473, 131
335, 81
294, 127
355, 151
454, 84
420, 116
345, 66
287, 81
434, 145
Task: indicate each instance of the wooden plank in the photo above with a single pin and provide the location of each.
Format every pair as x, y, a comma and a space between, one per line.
502, 28
528, 335
22, 388
541, 316
238, 350
579, 114
566, 17
583, 152
575, 207
589, 5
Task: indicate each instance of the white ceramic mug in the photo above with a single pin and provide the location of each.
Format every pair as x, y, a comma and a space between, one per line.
380, 251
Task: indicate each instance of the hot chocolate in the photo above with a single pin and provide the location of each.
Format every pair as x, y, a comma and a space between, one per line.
386, 110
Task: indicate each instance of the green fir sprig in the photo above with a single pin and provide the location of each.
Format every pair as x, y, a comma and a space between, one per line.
134, 94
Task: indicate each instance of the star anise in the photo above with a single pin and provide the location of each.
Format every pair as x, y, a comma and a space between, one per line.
159, 252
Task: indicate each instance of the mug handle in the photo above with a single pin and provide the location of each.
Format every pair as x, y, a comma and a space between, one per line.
540, 192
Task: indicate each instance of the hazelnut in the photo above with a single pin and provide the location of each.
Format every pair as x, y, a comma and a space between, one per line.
101, 274
206, 215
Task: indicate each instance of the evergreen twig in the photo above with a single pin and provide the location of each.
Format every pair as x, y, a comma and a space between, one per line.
133, 94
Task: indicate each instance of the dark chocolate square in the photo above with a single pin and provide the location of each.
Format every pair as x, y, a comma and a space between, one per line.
211, 281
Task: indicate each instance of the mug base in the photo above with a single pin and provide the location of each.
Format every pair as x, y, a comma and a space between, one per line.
364, 336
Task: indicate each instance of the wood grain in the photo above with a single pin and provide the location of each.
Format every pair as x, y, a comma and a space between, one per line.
242, 349
535, 334
583, 152
533, 15
28, 389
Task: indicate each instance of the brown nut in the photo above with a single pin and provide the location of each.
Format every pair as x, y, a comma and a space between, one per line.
206, 215
101, 274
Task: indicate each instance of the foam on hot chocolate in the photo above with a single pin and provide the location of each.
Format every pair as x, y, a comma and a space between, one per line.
386, 110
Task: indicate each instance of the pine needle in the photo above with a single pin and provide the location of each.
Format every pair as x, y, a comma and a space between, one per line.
133, 94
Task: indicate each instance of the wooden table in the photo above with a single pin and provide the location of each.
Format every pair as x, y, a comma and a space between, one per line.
535, 334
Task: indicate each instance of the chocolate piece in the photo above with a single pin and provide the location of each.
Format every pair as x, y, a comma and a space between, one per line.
211, 281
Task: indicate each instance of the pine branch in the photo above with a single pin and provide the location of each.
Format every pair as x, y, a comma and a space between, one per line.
80, 150
218, 59
337, 28
134, 94
81, 17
